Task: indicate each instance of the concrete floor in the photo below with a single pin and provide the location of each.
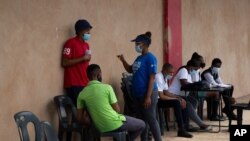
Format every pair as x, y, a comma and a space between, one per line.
206, 136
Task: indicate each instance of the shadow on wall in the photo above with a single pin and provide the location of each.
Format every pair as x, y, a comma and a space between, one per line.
52, 114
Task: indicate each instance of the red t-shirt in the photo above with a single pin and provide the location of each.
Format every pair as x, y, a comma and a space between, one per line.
75, 75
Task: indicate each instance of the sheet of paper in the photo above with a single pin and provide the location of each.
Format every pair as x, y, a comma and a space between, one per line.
224, 85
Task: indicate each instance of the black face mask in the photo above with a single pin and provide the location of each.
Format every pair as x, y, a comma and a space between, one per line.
202, 65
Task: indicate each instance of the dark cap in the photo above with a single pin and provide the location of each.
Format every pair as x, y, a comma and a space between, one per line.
142, 38
81, 25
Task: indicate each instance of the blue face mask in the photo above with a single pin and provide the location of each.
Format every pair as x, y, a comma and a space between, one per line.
86, 37
169, 77
138, 49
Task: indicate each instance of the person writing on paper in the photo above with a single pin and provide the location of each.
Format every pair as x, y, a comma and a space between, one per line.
214, 95
211, 75
182, 78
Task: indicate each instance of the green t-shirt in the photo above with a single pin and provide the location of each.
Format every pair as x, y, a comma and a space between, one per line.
97, 98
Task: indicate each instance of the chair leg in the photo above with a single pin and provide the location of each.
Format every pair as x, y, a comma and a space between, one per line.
200, 107
239, 116
230, 123
209, 108
127, 137
119, 137
83, 135
60, 134
69, 134
161, 123
166, 121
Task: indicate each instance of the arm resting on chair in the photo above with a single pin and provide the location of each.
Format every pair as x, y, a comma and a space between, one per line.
83, 116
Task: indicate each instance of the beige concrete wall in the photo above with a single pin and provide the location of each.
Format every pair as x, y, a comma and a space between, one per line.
220, 28
31, 39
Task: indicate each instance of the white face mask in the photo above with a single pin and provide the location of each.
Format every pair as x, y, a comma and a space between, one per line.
193, 72
198, 71
215, 69
169, 77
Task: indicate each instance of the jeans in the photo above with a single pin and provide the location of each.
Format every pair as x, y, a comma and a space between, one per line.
180, 114
133, 126
192, 105
149, 116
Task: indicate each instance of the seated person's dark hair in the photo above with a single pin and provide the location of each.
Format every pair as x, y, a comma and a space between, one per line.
193, 63
93, 70
196, 56
167, 66
216, 61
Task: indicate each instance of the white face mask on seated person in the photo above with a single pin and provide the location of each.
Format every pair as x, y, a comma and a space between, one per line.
215, 70
193, 72
169, 77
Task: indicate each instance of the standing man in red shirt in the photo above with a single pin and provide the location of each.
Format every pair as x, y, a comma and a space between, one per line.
75, 60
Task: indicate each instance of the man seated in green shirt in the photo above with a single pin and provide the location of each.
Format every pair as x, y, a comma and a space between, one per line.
100, 101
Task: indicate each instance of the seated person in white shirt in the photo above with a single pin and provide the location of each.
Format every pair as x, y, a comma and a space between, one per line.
170, 100
211, 75
183, 77
215, 96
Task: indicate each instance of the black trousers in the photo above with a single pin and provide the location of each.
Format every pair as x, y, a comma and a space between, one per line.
180, 114
73, 92
227, 96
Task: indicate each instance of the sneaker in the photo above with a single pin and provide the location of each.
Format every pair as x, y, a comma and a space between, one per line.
229, 114
205, 128
184, 134
193, 129
217, 118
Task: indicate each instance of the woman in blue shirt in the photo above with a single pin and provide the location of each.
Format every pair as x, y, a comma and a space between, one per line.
144, 88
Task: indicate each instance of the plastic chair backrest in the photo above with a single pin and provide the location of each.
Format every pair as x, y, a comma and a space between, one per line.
49, 132
65, 108
22, 119
126, 87
127, 84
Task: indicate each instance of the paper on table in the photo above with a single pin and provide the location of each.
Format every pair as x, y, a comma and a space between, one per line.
224, 85
220, 85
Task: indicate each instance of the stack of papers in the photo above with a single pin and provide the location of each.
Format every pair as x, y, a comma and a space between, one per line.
221, 85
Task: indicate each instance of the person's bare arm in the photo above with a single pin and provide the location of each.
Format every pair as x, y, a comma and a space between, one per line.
184, 82
164, 96
127, 67
69, 62
83, 117
147, 101
167, 93
169, 96
116, 107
